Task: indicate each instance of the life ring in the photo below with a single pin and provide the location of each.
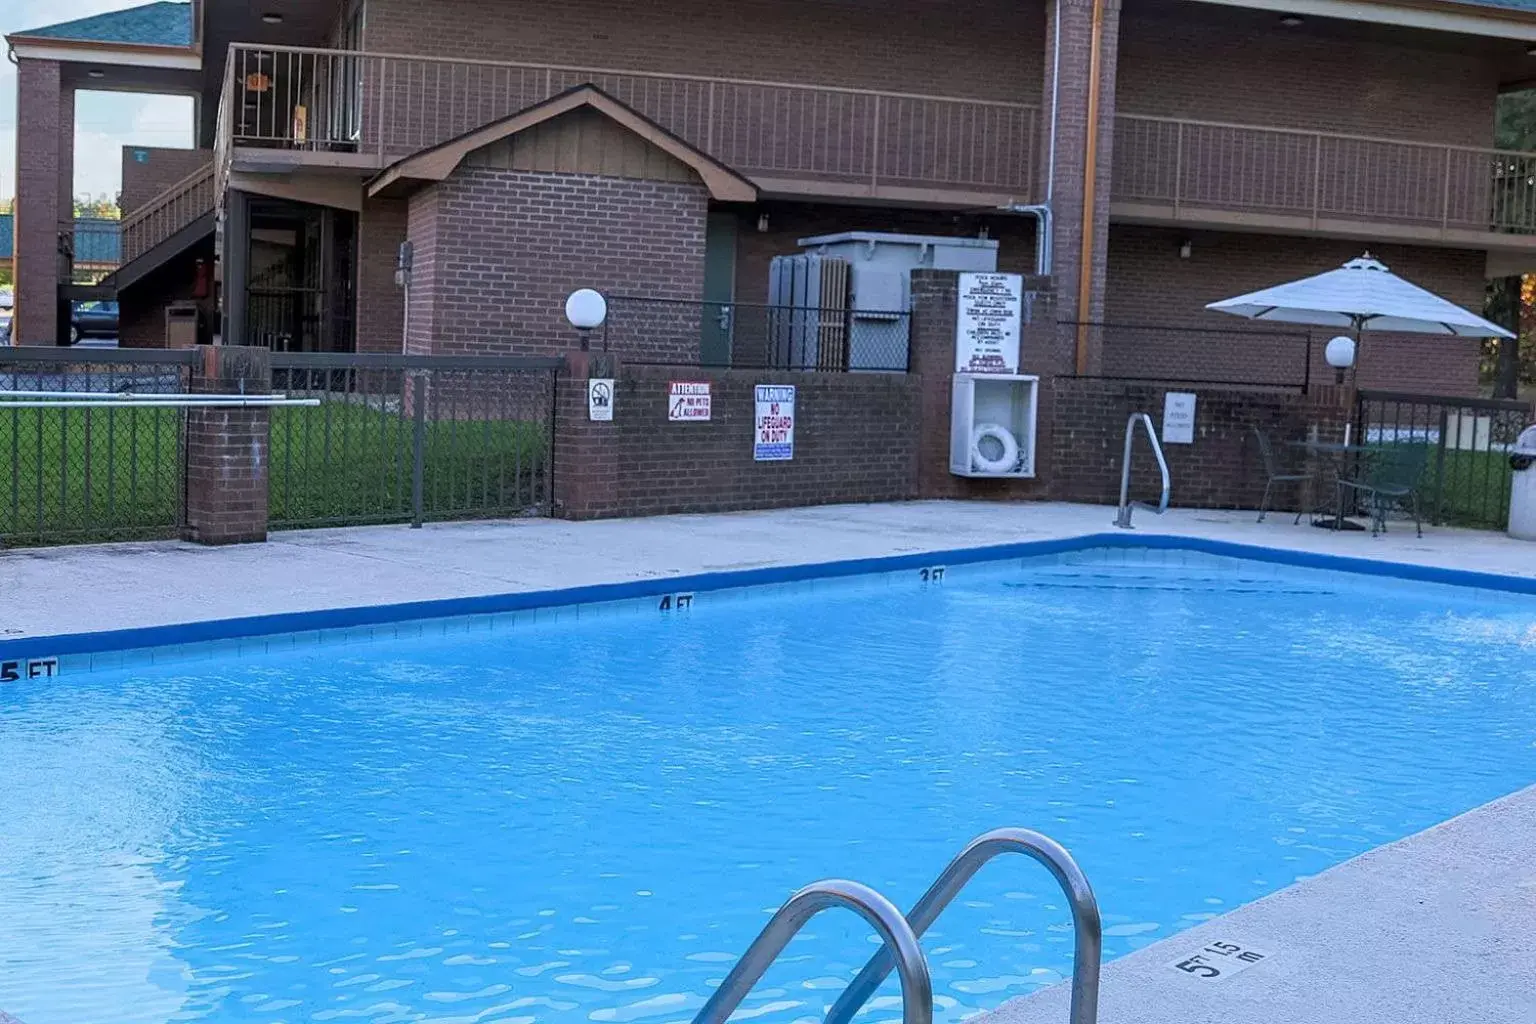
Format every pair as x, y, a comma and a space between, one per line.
1005, 462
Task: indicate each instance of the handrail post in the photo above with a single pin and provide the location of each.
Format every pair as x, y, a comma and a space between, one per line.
899, 936
1088, 951
1178, 167
1445, 194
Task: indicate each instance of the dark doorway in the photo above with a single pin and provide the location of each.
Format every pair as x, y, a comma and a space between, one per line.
302, 269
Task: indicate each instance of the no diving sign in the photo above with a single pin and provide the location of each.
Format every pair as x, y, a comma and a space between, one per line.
774, 439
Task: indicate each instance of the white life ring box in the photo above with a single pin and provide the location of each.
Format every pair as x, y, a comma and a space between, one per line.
992, 425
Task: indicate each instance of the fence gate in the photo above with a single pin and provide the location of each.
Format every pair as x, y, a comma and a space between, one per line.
73, 475
410, 438
1467, 477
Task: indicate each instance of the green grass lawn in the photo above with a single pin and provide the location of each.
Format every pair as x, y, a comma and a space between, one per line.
116, 474
1467, 488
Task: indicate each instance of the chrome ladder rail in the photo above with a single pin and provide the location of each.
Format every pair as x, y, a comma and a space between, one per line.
1123, 517
916, 986
1088, 951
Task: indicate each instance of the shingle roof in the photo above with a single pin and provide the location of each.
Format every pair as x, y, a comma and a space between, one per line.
157, 24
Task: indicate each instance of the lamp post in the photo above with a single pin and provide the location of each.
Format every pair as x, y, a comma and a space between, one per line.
1340, 354
586, 309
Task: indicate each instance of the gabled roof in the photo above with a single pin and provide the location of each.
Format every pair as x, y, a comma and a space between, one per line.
157, 24
438, 162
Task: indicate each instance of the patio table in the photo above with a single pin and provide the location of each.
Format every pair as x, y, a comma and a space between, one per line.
1333, 460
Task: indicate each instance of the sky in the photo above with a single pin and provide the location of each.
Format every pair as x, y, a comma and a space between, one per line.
104, 122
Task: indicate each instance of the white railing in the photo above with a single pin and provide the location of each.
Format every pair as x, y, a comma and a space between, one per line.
1322, 175
168, 212
390, 105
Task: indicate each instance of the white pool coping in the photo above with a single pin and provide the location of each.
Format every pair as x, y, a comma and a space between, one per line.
1437, 928
46, 591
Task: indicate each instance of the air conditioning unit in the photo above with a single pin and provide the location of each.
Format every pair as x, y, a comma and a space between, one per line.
808, 318
873, 284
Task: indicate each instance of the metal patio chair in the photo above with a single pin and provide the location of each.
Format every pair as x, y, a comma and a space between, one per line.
1388, 477
1275, 473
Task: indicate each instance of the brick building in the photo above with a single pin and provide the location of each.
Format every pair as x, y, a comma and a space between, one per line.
1187, 150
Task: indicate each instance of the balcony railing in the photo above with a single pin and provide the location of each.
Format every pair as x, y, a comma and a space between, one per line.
167, 213
1322, 176
388, 106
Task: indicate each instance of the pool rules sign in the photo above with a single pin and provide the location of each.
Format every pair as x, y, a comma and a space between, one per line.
774, 424
988, 313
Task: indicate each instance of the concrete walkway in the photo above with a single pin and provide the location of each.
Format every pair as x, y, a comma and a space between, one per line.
76, 589
1437, 928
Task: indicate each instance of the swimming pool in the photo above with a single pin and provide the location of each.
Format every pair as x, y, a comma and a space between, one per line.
587, 814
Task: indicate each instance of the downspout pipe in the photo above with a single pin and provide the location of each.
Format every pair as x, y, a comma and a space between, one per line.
1042, 214
1090, 184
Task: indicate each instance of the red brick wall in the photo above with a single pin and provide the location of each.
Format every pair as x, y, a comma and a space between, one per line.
1216, 63
1149, 284
855, 440
45, 109
497, 252
381, 227
141, 308
423, 230
160, 168
989, 50
226, 473
1221, 469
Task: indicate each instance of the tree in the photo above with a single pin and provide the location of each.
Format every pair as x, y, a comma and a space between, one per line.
1509, 298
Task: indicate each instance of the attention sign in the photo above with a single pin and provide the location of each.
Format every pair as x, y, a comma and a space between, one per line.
688, 401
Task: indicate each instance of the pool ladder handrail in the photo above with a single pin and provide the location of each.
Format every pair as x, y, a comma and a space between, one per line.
1123, 517
1088, 952
881, 913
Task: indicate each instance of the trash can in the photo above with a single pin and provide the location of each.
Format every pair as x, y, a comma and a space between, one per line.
181, 324
1522, 488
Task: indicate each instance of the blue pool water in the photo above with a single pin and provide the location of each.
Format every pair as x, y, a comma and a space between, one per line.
588, 820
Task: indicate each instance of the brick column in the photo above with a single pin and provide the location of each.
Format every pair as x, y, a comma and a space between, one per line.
934, 300
1075, 21
586, 456
45, 158
227, 450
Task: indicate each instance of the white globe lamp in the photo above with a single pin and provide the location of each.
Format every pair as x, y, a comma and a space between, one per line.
586, 309
1340, 354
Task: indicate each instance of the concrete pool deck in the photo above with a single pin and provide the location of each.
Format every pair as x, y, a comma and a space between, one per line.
116, 586
1438, 928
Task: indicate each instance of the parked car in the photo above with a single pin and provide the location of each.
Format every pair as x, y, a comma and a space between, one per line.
7, 311
93, 320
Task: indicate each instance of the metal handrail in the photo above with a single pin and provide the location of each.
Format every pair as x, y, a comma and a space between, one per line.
1123, 517
1089, 945
916, 986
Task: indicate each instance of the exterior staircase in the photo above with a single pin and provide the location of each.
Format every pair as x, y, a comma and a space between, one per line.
165, 226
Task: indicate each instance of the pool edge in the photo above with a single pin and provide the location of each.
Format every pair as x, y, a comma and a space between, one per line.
247, 627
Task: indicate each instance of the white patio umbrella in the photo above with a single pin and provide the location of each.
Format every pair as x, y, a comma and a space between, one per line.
1362, 295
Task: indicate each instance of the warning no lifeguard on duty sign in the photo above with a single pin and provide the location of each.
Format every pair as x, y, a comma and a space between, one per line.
774, 440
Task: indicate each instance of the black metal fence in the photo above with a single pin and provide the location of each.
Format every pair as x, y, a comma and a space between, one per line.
741, 335
1239, 356
1466, 478
91, 474
410, 438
